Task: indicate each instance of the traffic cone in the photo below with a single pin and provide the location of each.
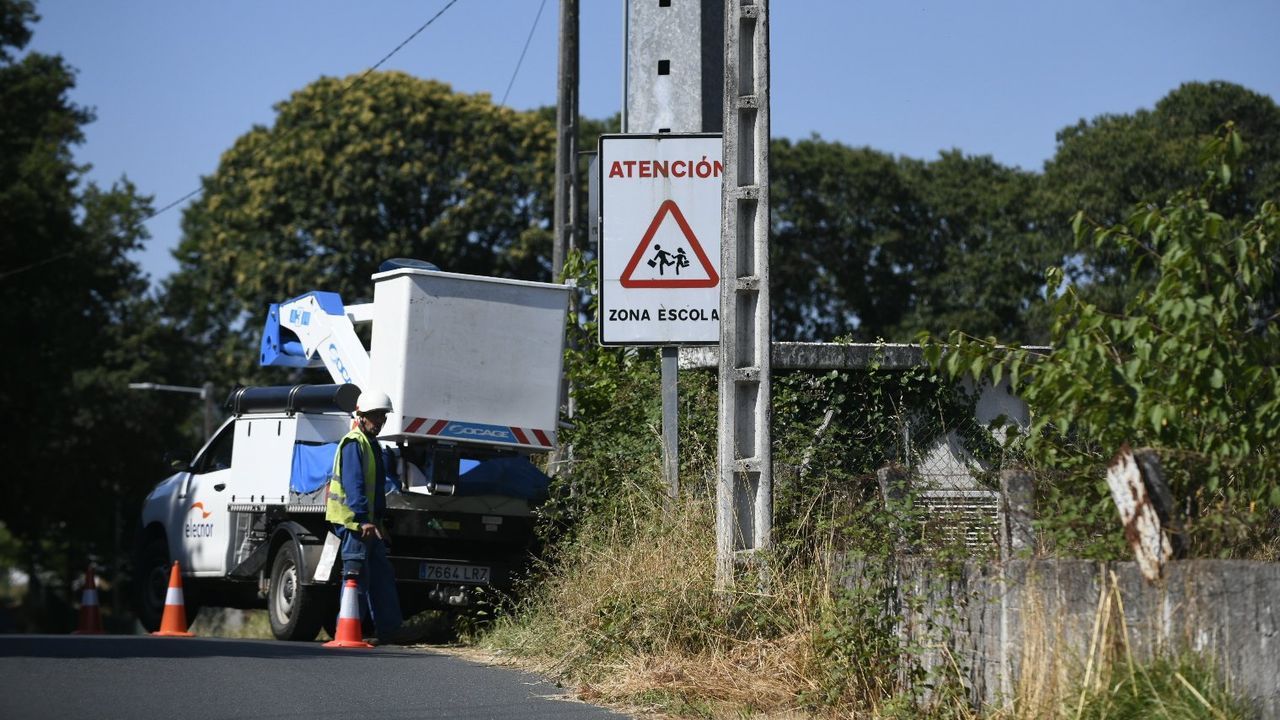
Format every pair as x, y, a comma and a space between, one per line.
174, 621
348, 630
90, 613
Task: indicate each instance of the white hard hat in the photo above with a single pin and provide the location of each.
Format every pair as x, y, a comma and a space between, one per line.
372, 401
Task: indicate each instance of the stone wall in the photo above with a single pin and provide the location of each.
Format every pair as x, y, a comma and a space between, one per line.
1045, 617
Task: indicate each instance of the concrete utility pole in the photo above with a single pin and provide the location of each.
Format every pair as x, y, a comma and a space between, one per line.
566, 212
744, 492
674, 71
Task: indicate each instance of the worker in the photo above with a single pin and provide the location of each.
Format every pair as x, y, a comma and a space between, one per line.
355, 508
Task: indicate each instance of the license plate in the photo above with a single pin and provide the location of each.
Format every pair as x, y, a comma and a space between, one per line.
437, 572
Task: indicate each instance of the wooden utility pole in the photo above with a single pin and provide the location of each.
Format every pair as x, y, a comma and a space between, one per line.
566, 212
565, 222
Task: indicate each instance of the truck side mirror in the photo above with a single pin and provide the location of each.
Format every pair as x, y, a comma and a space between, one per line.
176, 462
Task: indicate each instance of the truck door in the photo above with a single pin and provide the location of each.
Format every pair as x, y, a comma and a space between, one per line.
202, 529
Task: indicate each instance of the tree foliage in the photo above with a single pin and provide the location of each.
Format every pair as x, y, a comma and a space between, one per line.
978, 260
1107, 165
878, 248
874, 246
352, 172
843, 224
1190, 366
78, 324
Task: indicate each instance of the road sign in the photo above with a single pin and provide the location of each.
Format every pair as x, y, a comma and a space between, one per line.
659, 253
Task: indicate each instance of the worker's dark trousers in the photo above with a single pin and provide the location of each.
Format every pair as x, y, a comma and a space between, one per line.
367, 560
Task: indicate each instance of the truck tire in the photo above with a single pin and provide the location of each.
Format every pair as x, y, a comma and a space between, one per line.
295, 610
151, 583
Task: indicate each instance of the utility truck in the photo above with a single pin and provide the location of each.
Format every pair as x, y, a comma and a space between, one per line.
472, 366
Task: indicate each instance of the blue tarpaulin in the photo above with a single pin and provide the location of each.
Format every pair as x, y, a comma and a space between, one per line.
311, 466
507, 476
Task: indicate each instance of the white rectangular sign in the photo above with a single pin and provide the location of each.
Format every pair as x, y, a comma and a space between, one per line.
659, 261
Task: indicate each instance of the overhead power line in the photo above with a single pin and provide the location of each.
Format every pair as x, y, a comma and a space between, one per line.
405, 42
341, 93
522, 52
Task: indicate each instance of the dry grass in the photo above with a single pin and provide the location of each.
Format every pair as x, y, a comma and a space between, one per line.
758, 676
1108, 680
1268, 551
1045, 676
631, 618
628, 617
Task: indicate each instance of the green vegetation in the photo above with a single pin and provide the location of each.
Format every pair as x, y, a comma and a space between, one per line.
624, 607
1185, 687
873, 247
78, 326
1189, 367
352, 172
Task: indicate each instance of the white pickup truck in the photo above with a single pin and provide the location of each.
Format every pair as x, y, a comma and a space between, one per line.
472, 366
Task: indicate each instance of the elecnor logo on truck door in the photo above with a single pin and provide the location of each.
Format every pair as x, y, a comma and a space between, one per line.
197, 530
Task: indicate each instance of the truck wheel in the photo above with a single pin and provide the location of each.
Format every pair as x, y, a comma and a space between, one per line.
295, 610
151, 584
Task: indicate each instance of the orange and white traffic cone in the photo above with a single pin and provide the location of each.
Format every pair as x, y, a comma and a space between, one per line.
174, 621
90, 613
348, 630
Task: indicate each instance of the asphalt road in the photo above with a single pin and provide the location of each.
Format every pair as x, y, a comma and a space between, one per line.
140, 677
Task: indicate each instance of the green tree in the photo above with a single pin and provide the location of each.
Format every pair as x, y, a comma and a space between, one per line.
1190, 366
78, 325
355, 171
844, 223
980, 254
871, 246
1105, 166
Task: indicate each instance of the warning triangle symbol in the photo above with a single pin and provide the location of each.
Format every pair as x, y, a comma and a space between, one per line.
669, 207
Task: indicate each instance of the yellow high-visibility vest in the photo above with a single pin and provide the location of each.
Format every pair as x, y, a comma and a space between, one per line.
336, 510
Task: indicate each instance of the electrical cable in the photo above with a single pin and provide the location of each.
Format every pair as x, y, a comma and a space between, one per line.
522, 52
341, 93
36, 264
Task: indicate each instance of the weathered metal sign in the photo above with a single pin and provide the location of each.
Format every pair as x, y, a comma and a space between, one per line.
1138, 514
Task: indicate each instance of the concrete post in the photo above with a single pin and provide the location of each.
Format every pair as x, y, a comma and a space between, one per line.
210, 409
744, 491
895, 482
565, 222
1017, 539
1162, 498
1017, 505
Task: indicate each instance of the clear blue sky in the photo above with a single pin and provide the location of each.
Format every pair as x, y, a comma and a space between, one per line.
175, 82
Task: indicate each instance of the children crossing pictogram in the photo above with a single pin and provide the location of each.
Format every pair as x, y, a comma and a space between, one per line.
671, 266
